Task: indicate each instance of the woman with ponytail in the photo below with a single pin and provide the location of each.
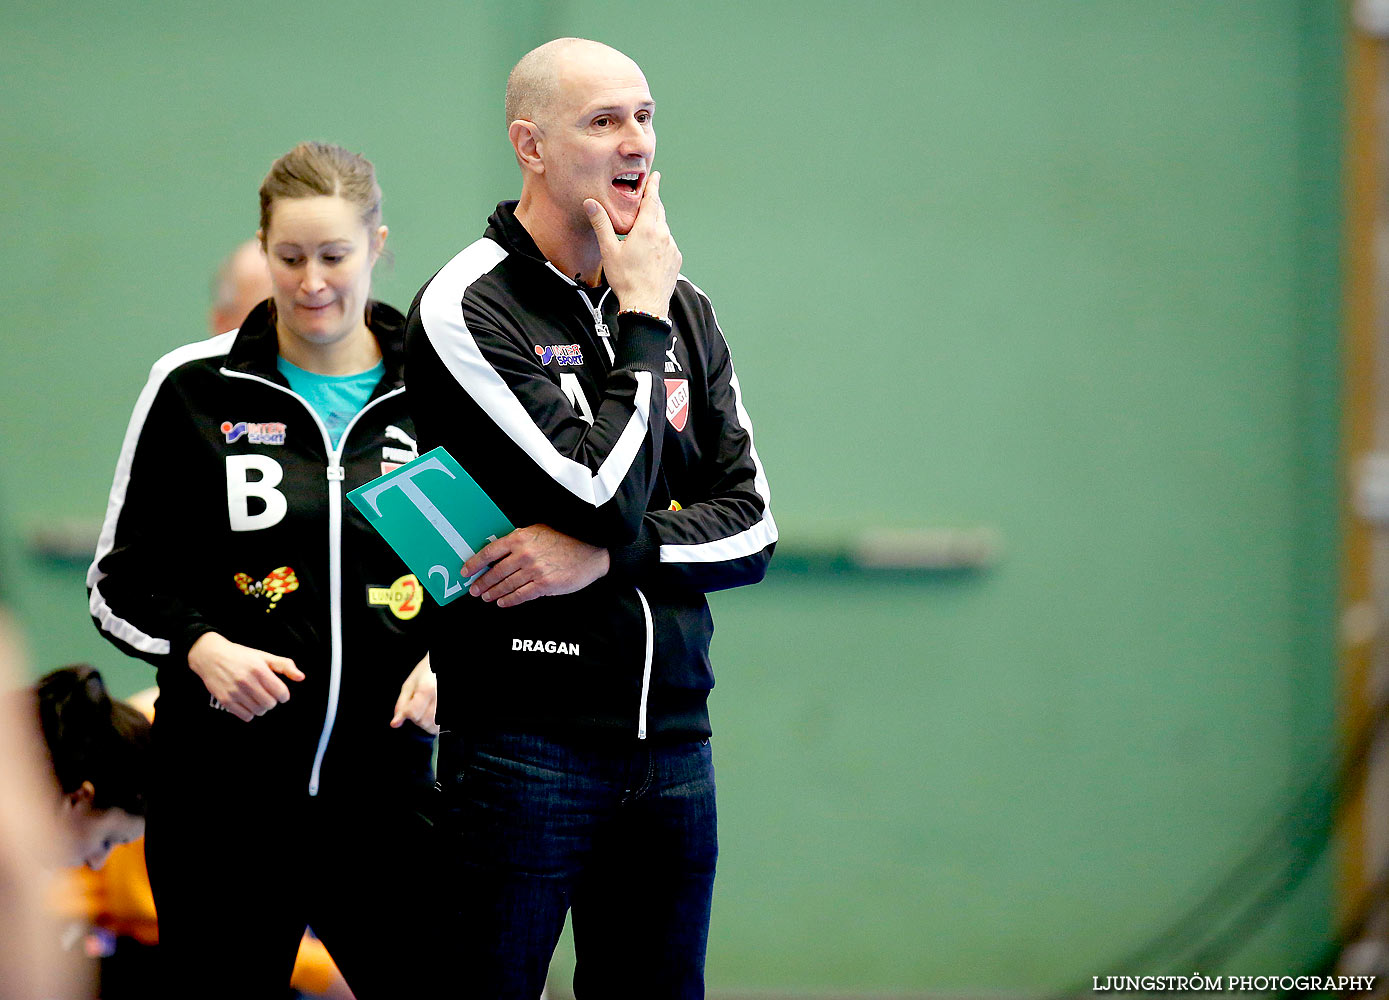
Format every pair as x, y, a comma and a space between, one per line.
295, 727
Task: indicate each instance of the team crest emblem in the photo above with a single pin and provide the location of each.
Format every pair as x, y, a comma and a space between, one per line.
678, 402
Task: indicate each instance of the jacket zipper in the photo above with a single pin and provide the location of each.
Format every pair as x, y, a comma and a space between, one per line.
599, 327
335, 474
605, 337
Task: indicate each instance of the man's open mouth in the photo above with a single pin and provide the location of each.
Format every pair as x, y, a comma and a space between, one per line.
630, 182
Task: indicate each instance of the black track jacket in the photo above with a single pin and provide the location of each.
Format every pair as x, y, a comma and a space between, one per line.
227, 514
618, 431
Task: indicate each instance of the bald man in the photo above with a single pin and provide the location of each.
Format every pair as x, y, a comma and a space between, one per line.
586, 386
242, 282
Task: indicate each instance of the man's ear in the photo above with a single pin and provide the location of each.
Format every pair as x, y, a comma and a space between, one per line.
527, 141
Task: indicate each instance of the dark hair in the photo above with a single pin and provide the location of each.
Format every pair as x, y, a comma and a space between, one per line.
91, 737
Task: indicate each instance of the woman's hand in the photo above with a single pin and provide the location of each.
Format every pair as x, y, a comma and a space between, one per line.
243, 680
418, 696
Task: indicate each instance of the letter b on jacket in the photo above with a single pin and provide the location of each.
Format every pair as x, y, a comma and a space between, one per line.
241, 487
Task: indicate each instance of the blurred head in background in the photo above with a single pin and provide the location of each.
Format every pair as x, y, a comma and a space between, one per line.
99, 749
241, 283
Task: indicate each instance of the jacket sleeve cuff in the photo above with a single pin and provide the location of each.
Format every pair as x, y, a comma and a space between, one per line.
189, 634
636, 560
641, 341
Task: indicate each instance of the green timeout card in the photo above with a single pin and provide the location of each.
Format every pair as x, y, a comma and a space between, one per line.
435, 517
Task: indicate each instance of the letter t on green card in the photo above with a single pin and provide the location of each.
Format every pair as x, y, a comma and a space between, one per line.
434, 516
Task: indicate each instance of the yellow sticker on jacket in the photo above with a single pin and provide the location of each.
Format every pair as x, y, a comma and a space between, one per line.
404, 597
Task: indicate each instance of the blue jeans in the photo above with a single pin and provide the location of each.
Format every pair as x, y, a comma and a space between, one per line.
625, 836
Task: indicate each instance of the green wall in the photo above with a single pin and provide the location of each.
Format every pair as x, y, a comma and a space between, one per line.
1064, 269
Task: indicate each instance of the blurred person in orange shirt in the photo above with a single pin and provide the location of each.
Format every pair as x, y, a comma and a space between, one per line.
116, 903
